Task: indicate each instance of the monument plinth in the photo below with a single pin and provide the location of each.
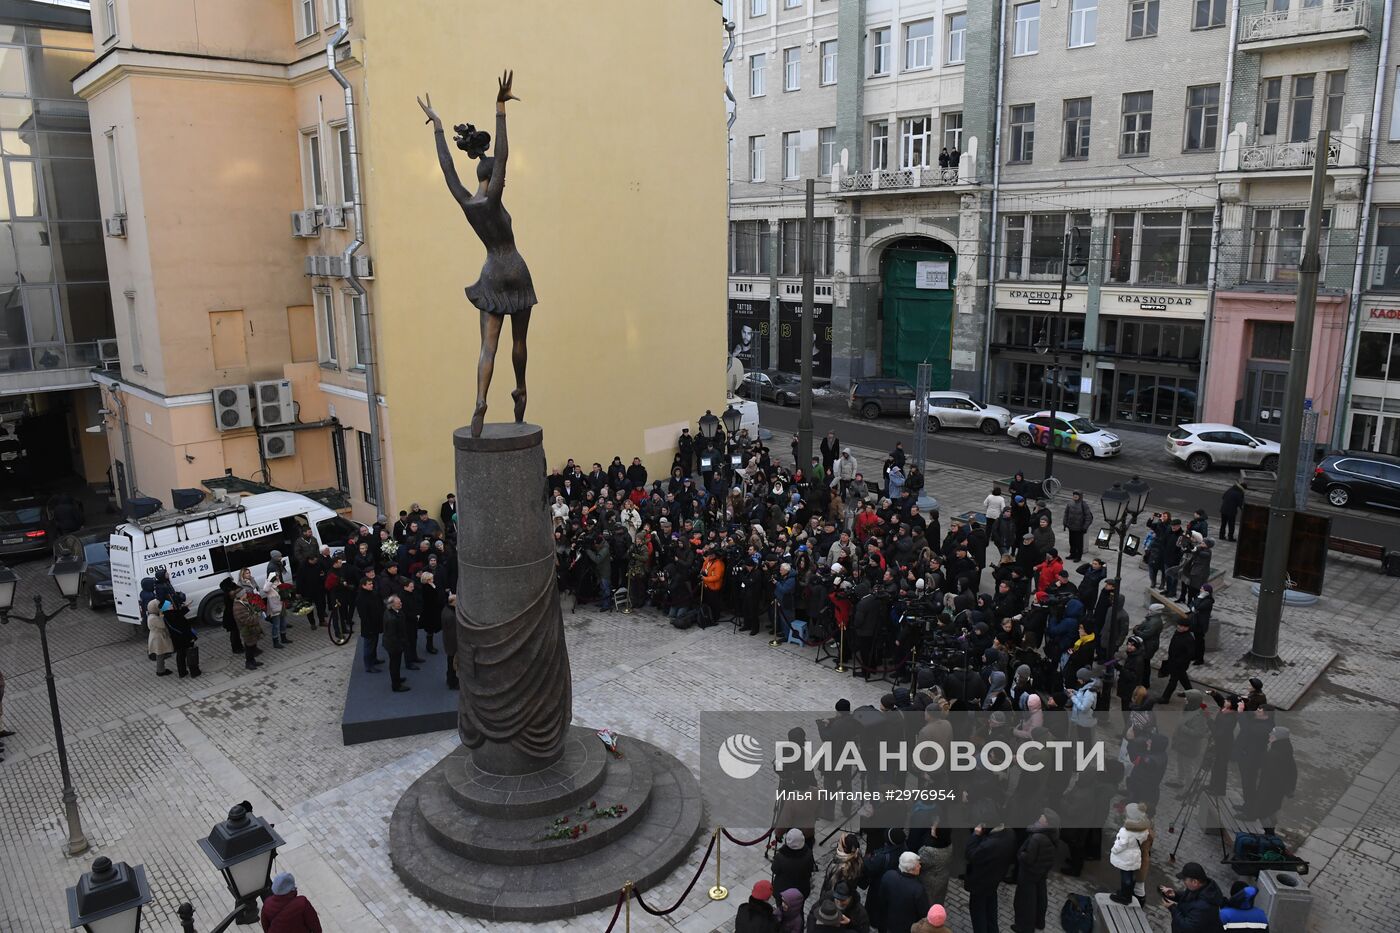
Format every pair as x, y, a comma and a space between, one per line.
471, 834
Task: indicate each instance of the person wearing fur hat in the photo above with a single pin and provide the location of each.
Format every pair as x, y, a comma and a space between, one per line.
286, 911
935, 921
757, 915
1128, 854
793, 864
1037, 856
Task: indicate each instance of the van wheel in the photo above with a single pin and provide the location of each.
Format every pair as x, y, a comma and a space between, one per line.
870, 411
1339, 496
211, 611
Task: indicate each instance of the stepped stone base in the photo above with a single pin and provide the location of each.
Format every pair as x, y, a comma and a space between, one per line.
470, 841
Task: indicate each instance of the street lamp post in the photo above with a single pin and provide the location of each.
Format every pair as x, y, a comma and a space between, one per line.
66, 571
1121, 507
242, 847
709, 427
732, 419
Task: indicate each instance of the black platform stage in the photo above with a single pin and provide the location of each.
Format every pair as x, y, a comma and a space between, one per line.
374, 712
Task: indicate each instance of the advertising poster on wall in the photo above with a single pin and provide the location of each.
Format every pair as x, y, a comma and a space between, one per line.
790, 339
748, 332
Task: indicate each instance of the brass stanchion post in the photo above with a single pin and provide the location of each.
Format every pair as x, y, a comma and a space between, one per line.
719, 892
841, 654
627, 905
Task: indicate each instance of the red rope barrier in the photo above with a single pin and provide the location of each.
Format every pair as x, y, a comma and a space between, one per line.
688, 888
617, 910
740, 842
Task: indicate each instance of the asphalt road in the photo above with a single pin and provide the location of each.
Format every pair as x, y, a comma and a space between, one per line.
1173, 488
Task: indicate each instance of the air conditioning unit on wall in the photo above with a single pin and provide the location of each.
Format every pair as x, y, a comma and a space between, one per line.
277, 444
335, 216
115, 225
306, 223
274, 402
232, 408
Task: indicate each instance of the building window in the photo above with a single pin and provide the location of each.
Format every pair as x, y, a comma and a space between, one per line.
1202, 117
790, 247
918, 45
371, 493
1035, 254
1395, 108
109, 20
1142, 18
1079, 115
1271, 340
791, 4
1300, 108
792, 69
1385, 264
114, 170
749, 248
792, 148
1083, 22
1208, 14
914, 142
1137, 124
1023, 132
957, 38
828, 62
1276, 243
1159, 259
1378, 355
1270, 101
315, 180
879, 146
952, 132
826, 150
306, 18
359, 328
1027, 32
758, 7
1160, 248
347, 178
1336, 94
879, 52
133, 325
756, 158
326, 345
757, 64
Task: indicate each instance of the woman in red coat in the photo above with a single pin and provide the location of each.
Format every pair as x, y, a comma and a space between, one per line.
286, 911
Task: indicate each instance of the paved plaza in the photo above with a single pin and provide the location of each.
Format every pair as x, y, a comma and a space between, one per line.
156, 762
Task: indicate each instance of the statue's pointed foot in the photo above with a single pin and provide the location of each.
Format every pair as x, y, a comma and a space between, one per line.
519, 396
478, 419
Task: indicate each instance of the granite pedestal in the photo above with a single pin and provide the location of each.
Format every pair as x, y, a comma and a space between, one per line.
373, 711
470, 835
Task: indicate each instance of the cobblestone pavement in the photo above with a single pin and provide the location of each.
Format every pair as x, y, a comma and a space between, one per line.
157, 762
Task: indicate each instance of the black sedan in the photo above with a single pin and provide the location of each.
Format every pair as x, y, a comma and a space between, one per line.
770, 385
97, 572
23, 528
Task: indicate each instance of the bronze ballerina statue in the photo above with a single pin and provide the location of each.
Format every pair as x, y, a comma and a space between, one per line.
505, 288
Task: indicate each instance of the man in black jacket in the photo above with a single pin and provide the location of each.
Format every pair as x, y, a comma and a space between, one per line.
370, 608
637, 474
1231, 501
395, 639
1177, 666
1038, 855
1078, 519
1132, 672
903, 899
685, 446
990, 852
1091, 575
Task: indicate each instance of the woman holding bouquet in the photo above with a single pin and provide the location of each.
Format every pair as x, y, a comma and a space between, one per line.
276, 617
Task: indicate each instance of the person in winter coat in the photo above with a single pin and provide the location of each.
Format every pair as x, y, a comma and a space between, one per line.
429, 610
370, 608
1044, 535
1231, 501
395, 640
449, 638
793, 864
1240, 913
791, 917
1078, 519
182, 634
839, 911
1037, 856
1127, 852
757, 914
1177, 667
286, 911
1200, 612
249, 628
903, 900
935, 921
158, 643
276, 616
993, 505
276, 564
1278, 780
1195, 906
228, 590
990, 853
1148, 755
1083, 700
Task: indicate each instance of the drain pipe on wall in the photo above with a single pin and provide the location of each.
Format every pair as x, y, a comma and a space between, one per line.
119, 400
364, 350
993, 240
1363, 229
1217, 215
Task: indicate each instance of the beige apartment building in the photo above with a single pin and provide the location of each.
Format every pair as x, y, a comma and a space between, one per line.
228, 160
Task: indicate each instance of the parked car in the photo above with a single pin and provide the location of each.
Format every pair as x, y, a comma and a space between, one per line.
97, 572
1202, 446
871, 398
770, 385
23, 528
1359, 478
960, 410
1066, 431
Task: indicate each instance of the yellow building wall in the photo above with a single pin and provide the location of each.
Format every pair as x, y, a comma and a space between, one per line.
616, 185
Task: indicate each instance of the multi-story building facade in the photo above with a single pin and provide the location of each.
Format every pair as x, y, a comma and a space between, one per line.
55, 315
244, 154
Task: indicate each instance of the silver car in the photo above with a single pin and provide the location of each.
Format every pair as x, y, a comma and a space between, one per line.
1202, 446
960, 410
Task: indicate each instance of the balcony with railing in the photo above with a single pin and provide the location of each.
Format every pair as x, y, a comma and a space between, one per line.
904, 180
1346, 149
1306, 22
48, 366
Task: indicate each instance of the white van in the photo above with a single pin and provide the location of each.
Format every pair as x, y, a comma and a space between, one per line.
198, 548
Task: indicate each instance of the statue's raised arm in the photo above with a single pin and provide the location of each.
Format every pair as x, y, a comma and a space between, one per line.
449, 168
498, 169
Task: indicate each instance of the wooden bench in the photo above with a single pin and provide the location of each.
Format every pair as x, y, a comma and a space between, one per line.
1113, 917
1217, 815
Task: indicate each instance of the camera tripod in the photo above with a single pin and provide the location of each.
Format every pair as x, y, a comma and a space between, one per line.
1191, 797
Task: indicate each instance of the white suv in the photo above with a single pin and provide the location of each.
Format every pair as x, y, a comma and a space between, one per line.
960, 410
1202, 446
